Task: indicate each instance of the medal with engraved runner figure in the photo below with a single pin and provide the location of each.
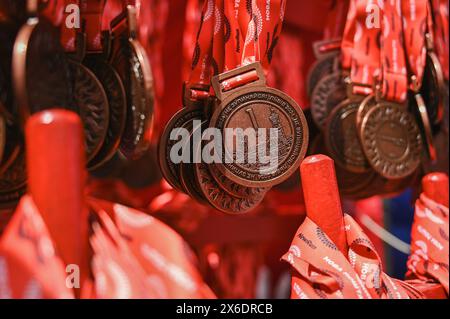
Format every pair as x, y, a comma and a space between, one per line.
390, 136
40, 69
13, 182
98, 47
130, 60
275, 127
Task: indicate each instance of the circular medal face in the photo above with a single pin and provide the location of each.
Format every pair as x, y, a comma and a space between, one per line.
264, 136
318, 70
342, 138
93, 107
327, 94
420, 110
13, 182
391, 140
41, 73
433, 88
115, 93
175, 133
131, 62
363, 108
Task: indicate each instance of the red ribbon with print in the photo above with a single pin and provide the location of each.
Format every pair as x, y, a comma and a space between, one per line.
395, 82
365, 61
320, 270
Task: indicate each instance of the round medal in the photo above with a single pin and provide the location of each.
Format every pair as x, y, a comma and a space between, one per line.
391, 140
133, 67
41, 73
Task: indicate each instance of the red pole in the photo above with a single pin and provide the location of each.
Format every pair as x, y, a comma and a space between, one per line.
322, 200
435, 186
56, 177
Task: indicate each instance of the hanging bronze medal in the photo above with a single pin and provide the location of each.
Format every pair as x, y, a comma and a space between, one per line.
98, 50
327, 94
130, 60
342, 138
257, 107
41, 72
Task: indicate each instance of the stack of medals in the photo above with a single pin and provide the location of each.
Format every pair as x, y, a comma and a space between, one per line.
93, 67
378, 107
235, 138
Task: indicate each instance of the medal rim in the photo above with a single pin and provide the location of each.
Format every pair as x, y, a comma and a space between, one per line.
366, 119
329, 135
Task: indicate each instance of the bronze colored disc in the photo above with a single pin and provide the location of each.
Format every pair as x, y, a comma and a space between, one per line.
342, 139
433, 88
391, 140
116, 95
132, 64
93, 107
234, 189
366, 104
13, 182
187, 170
320, 68
40, 69
327, 94
420, 109
261, 108
177, 124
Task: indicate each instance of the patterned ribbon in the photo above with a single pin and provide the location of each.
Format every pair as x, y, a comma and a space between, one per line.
348, 36
429, 256
129, 259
